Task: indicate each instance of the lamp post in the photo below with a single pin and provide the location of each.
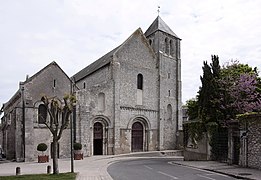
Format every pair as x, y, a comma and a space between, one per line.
72, 165
71, 122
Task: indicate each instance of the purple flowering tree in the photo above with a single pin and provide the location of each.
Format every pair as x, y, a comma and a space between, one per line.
244, 94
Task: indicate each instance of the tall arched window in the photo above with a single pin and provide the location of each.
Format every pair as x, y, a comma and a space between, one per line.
101, 101
171, 48
84, 85
140, 81
139, 89
150, 41
42, 114
166, 46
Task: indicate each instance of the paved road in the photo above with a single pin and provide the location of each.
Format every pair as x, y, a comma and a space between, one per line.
158, 169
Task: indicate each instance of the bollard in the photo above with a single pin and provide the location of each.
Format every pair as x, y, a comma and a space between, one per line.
48, 169
18, 171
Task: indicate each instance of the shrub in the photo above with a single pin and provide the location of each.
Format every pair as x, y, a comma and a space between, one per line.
41, 147
77, 146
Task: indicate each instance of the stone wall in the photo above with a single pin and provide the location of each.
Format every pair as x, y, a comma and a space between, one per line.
135, 58
250, 142
87, 113
199, 152
20, 142
52, 82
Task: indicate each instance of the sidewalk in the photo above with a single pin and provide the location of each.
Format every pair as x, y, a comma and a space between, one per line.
223, 168
95, 167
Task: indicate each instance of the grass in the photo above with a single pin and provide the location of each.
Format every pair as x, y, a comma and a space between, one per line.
62, 176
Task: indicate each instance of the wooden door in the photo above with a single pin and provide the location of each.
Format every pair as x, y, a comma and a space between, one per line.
98, 139
137, 137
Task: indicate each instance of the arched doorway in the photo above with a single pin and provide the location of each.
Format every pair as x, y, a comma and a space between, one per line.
137, 137
97, 139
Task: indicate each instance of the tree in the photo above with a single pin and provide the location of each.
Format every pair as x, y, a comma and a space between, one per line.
209, 91
192, 106
240, 92
225, 92
244, 94
59, 113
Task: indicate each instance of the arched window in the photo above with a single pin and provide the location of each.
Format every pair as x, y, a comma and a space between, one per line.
42, 114
150, 41
166, 46
140, 81
171, 48
169, 112
84, 85
101, 102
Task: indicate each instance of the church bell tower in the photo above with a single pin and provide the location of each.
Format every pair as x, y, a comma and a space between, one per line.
166, 45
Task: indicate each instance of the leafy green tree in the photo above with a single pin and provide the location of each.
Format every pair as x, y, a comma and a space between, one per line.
193, 108
239, 90
59, 112
225, 92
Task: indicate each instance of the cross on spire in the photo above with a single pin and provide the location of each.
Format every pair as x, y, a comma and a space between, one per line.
158, 10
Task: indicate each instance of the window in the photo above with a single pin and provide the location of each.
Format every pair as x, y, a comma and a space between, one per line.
166, 46
171, 48
169, 112
168, 75
84, 85
54, 83
169, 92
42, 114
150, 41
140, 81
101, 101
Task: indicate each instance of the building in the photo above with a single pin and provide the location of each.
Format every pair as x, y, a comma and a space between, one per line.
22, 130
129, 100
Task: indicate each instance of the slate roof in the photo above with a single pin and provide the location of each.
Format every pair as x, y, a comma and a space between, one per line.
159, 25
101, 62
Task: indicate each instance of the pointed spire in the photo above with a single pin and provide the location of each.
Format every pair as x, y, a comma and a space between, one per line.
159, 25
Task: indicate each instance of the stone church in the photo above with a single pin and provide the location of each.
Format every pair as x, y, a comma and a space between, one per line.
129, 100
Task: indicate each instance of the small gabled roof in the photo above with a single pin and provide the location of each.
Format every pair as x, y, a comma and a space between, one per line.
18, 92
101, 62
39, 72
159, 25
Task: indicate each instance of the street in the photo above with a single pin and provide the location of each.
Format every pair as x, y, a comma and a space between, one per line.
158, 169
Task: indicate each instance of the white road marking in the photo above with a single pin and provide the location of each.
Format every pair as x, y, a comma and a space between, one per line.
203, 170
148, 167
173, 177
205, 177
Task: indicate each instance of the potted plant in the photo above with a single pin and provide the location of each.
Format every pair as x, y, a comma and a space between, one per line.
42, 158
77, 147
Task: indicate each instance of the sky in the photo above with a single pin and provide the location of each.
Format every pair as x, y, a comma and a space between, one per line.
74, 33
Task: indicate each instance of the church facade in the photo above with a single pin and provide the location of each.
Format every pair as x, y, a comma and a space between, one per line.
129, 100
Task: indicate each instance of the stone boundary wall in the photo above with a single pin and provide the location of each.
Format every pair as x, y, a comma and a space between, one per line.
250, 141
198, 153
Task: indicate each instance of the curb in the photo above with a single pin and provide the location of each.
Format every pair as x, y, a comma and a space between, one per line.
216, 171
